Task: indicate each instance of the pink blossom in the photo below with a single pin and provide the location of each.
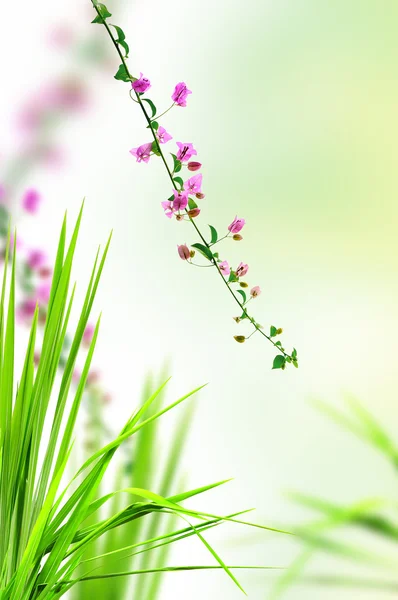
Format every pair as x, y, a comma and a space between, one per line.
141, 85
142, 153
43, 292
163, 136
180, 200
26, 309
242, 270
185, 151
194, 184
255, 291
236, 225
88, 334
224, 267
180, 94
36, 259
19, 242
168, 208
183, 252
31, 201
194, 166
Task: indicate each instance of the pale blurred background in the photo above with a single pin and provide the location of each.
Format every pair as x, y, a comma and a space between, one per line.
294, 116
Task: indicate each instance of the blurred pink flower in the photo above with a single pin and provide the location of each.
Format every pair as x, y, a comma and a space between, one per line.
43, 292
88, 334
255, 291
36, 259
31, 201
180, 94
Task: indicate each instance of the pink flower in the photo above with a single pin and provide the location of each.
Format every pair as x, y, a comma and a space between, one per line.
31, 201
43, 292
194, 166
255, 291
183, 252
88, 334
163, 136
36, 259
27, 309
194, 184
19, 242
185, 151
180, 94
168, 208
180, 200
224, 267
242, 270
236, 225
142, 153
141, 85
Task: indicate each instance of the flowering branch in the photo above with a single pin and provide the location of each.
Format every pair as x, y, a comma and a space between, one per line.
181, 204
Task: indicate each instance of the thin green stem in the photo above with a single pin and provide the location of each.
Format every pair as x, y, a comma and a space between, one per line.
157, 117
170, 174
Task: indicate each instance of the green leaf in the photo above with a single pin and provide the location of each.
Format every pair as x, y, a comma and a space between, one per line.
151, 104
233, 277
103, 13
121, 39
214, 234
192, 204
122, 74
294, 353
177, 165
155, 149
204, 250
273, 331
279, 362
178, 181
242, 293
154, 125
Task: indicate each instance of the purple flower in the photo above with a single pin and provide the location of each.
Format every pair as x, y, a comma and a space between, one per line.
163, 136
88, 334
168, 208
180, 94
185, 151
183, 252
31, 201
236, 225
242, 270
142, 153
224, 267
180, 200
141, 85
36, 259
194, 184
43, 292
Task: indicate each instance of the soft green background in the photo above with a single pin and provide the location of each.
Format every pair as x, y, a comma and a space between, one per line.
294, 114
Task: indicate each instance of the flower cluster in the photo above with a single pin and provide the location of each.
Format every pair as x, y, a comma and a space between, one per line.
187, 191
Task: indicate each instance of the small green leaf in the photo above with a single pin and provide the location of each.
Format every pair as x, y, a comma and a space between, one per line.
122, 74
155, 148
244, 316
154, 125
242, 293
121, 39
176, 164
192, 204
294, 353
214, 234
273, 331
232, 276
203, 250
279, 362
295, 363
103, 13
152, 106
178, 181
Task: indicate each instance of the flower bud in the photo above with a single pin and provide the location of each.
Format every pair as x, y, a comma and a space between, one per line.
237, 237
183, 252
179, 217
244, 284
194, 166
45, 272
192, 253
279, 331
200, 196
194, 212
239, 338
255, 291
237, 319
